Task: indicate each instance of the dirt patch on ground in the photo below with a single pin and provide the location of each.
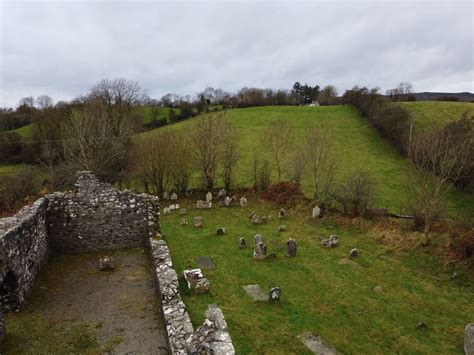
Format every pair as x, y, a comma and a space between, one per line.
74, 307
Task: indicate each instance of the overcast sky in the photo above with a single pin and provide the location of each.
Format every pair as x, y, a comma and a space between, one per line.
62, 48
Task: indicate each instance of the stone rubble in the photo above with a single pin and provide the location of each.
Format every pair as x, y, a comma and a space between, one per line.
331, 242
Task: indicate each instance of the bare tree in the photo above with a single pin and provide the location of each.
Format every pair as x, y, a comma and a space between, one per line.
230, 155
279, 138
319, 159
438, 160
27, 101
119, 96
208, 138
155, 159
356, 193
90, 142
401, 93
44, 102
328, 95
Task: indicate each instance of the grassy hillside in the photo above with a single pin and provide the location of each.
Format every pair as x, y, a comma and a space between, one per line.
356, 145
435, 114
322, 290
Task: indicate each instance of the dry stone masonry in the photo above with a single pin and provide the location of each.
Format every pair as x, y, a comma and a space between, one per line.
95, 216
211, 338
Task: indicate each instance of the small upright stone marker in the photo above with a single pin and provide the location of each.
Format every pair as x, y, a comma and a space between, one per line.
198, 222
281, 228
243, 202
166, 210
282, 213
316, 212
209, 196
242, 243
257, 239
174, 196
354, 252
291, 247
166, 195
184, 222
220, 231
275, 293
106, 263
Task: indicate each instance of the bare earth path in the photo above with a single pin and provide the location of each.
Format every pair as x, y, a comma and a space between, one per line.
76, 308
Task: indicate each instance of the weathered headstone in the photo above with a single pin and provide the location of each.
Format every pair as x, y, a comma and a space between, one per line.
231, 201
316, 212
281, 228
166, 195
184, 222
166, 210
202, 286
209, 196
263, 220
242, 243
469, 339
205, 263
196, 280
331, 242
203, 204
172, 207
106, 263
222, 194
255, 219
174, 196
260, 251
354, 252
256, 292
291, 247
282, 213
198, 222
275, 293
220, 231
243, 202
257, 239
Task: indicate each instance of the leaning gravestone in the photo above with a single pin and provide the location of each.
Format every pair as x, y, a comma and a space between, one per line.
260, 251
316, 212
316, 344
242, 243
196, 280
331, 242
174, 196
291, 247
243, 202
166, 210
198, 222
220, 231
282, 213
256, 292
257, 239
205, 263
209, 196
469, 339
275, 293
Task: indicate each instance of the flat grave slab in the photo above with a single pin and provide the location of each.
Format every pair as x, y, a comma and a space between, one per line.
205, 263
316, 344
256, 292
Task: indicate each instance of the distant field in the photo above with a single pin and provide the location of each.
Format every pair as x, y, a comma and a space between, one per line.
356, 144
13, 168
435, 114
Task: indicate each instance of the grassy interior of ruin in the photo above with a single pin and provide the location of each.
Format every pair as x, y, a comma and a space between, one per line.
322, 292
74, 308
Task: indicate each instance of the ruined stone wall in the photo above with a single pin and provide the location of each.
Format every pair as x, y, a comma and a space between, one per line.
97, 216
23, 249
211, 338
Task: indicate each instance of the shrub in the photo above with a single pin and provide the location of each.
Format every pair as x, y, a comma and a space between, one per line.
284, 193
356, 193
462, 241
15, 190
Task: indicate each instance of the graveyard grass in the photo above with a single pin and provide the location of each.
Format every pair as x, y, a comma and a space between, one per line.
319, 295
356, 146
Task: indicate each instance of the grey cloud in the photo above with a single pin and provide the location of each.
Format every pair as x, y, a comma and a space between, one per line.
62, 49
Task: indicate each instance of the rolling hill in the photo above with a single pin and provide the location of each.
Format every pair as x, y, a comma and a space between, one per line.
356, 146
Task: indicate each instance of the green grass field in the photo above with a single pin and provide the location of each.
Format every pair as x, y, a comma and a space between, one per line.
435, 114
320, 293
356, 146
